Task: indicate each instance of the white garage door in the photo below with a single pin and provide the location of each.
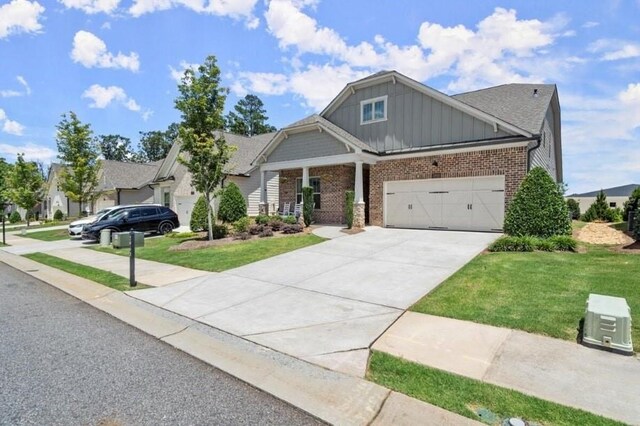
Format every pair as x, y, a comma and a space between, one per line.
475, 204
184, 207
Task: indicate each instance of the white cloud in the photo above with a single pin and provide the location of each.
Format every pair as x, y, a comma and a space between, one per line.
20, 16
10, 93
613, 49
92, 6
102, 97
106, 26
11, 127
32, 152
590, 24
177, 73
91, 51
236, 9
24, 84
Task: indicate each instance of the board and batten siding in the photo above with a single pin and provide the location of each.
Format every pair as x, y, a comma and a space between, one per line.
414, 120
309, 144
545, 155
250, 188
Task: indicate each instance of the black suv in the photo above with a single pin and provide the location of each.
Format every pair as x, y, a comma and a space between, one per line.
139, 218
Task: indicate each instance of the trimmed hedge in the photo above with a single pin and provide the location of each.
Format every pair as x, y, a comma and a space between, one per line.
198, 221
58, 215
241, 225
349, 196
307, 207
538, 208
232, 204
528, 244
15, 217
219, 231
262, 219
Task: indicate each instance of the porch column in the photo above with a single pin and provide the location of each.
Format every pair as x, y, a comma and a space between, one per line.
358, 202
263, 207
305, 181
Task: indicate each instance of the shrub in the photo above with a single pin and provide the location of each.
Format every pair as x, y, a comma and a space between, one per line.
599, 210
256, 229
15, 217
636, 226
564, 243
511, 243
241, 236
633, 203
241, 225
307, 205
29, 215
289, 220
538, 208
349, 196
545, 244
198, 221
614, 215
180, 235
219, 231
232, 204
292, 229
262, 219
58, 215
574, 208
266, 232
275, 223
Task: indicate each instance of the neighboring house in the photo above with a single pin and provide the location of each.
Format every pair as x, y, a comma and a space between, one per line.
173, 188
416, 157
615, 196
118, 183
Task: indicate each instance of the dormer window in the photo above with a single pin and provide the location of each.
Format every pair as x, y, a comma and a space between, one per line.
373, 110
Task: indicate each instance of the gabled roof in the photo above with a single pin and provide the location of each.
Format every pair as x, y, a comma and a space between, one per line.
394, 76
618, 191
513, 103
121, 175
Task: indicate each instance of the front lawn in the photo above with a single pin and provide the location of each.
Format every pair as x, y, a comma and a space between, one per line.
51, 235
218, 258
97, 275
467, 396
538, 292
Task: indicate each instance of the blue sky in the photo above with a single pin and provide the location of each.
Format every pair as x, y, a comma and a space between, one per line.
115, 62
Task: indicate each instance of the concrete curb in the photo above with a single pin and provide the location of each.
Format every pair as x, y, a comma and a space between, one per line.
333, 397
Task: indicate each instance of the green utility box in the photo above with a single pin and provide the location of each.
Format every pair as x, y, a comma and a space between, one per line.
123, 240
607, 323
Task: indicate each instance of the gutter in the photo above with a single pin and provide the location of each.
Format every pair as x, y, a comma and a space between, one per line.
530, 150
468, 144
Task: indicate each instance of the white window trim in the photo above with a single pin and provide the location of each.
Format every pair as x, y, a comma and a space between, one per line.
372, 101
300, 193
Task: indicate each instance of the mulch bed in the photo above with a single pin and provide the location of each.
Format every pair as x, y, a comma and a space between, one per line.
202, 241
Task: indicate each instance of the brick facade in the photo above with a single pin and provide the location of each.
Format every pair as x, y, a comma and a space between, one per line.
334, 181
510, 162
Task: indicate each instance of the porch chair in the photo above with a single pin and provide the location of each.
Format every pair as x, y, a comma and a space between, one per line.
286, 209
297, 210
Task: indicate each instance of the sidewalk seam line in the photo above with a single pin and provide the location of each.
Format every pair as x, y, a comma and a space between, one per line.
384, 401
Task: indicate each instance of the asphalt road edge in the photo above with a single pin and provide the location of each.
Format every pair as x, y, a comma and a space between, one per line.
333, 397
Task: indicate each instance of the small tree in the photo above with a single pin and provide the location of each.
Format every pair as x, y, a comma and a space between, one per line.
58, 215
79, 155
5, 171
198, 220
349, 196
15, 217
599, 210
201, 102
574, 208
307, 205
538, 208
633, 203
232, 205
26, 185
636, 224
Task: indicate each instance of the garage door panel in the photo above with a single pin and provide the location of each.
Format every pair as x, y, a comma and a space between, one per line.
460, 203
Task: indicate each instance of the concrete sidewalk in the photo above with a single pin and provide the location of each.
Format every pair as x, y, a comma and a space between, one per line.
331, 396
552, 369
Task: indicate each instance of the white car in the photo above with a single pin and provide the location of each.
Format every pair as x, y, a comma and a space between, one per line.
75, 228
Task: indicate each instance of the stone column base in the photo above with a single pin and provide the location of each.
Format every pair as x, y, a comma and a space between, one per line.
358, 215
263, 208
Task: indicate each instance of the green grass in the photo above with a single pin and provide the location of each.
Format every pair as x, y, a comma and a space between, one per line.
578, 224
218, 258
51, 235
619, 226
102, 277
42, 225
463, 395
538, 292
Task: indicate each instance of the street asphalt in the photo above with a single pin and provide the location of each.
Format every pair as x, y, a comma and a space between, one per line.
64, 362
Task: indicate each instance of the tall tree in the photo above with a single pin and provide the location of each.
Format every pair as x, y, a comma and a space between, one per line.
155, 145
115, 147
26, 185
249, 117
205, 152
5, 170
79, 155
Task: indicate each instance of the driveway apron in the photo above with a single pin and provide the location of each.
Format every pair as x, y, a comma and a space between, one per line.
329, 302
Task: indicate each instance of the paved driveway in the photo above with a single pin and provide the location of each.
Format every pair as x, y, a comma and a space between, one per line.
329, 302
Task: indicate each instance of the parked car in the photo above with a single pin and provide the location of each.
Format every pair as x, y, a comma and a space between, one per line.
75, 227
148, 218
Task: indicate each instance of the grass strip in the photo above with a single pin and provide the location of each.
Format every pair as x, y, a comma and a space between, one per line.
108, 279
464, 396
50, 235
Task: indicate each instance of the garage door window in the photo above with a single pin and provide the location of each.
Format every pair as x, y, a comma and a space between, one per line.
314, 182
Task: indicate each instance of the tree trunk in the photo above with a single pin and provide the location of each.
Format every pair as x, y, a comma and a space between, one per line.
207, 195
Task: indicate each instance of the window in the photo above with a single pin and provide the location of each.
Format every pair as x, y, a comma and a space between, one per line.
612, 204
373, 110
166, 198
314, 182
149, 211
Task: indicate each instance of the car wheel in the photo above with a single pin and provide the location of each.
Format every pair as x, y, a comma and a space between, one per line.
165, 228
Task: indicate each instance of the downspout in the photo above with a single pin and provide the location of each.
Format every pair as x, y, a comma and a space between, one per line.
117, 196
530, 150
